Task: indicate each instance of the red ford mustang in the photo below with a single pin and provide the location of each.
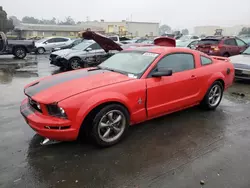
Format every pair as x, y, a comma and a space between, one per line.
132, 86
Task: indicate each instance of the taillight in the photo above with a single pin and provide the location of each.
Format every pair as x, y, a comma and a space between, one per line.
215, 48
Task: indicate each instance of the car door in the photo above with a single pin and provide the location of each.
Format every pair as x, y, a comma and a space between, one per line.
170, 93
97, 53
242, 46
231, 46
59, 42
49, 44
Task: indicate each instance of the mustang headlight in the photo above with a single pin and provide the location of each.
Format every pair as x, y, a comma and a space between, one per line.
57, 111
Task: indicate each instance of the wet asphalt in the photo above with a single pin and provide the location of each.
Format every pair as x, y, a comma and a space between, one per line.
175, 151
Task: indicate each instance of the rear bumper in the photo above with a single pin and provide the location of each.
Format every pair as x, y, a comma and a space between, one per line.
59, 129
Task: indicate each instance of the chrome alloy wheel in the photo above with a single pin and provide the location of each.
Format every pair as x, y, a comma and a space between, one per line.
215, 95
111, 126
75, 64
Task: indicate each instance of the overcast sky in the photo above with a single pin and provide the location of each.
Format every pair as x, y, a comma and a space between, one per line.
176, 13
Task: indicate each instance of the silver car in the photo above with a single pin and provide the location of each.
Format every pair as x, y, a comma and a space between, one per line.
242, 65
87, 53
47, 44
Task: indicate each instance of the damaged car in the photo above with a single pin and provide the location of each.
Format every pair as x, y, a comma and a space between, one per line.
132, 86
90, 52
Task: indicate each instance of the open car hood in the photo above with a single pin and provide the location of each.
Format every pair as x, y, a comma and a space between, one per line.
106, 43
165, 41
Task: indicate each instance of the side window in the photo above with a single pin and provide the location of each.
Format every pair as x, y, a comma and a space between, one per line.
95, 46
51, 40
205, 60
194, 37
230, 42
177, 62
240, 42
61, 39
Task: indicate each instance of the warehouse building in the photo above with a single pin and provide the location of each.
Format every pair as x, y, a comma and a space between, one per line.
40, 30
128, 28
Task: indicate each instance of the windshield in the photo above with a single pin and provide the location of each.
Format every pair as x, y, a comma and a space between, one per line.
134, 62
247, 51
83, 45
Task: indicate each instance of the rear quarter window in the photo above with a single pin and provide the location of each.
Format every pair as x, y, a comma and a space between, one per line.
205, 60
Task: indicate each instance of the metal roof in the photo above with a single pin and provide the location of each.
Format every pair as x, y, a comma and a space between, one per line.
44, 27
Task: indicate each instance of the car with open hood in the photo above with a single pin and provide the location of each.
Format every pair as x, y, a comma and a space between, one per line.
132, 86
241, 64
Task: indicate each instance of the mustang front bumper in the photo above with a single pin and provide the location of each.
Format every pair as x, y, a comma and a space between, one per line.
47, 126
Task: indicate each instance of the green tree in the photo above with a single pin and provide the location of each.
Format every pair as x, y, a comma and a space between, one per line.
5, 23
245, 31
30, 20
185, 31
164, 29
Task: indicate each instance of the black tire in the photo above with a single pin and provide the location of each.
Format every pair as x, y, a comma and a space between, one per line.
102, 115
20, 52
206, 102
226, 54
74, 63
41, 50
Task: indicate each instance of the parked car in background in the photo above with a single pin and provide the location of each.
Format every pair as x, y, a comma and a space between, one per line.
246, 39
71, 44
119, 39
132, 86
188, 37
87, 53
221, 46
19, 48
187, 43
47, 44
242, 65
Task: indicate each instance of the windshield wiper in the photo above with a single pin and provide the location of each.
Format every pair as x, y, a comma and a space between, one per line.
246, 53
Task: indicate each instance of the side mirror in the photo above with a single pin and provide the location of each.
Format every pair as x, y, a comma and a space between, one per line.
88, 49
162, 72
45, 42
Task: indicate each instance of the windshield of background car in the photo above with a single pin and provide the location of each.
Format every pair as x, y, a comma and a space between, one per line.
132, 63
247, 51
83, 45
208, 42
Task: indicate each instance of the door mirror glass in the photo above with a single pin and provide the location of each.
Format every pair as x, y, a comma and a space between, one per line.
88, 49
45, 42
162, 72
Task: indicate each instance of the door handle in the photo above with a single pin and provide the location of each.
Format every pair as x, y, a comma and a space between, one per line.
193, 77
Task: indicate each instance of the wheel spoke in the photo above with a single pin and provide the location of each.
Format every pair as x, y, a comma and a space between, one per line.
102, 125
215, 90
106, 134
110, 117
217, 95
116, 129
119, 118
210, 98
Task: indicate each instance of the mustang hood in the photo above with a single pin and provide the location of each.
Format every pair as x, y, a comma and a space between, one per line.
106, 43
61, 86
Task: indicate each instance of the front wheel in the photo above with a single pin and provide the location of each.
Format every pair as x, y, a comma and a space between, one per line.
20, 52
74, 63
110, 125
213, 96
40, 50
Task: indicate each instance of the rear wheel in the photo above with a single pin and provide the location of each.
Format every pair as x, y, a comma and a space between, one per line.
110, 125
213, 96
20, 52
74, 63
40, 50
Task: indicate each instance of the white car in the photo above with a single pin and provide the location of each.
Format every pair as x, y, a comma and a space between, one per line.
47, 44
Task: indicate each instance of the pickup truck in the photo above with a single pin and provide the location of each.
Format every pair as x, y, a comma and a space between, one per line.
19, 48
